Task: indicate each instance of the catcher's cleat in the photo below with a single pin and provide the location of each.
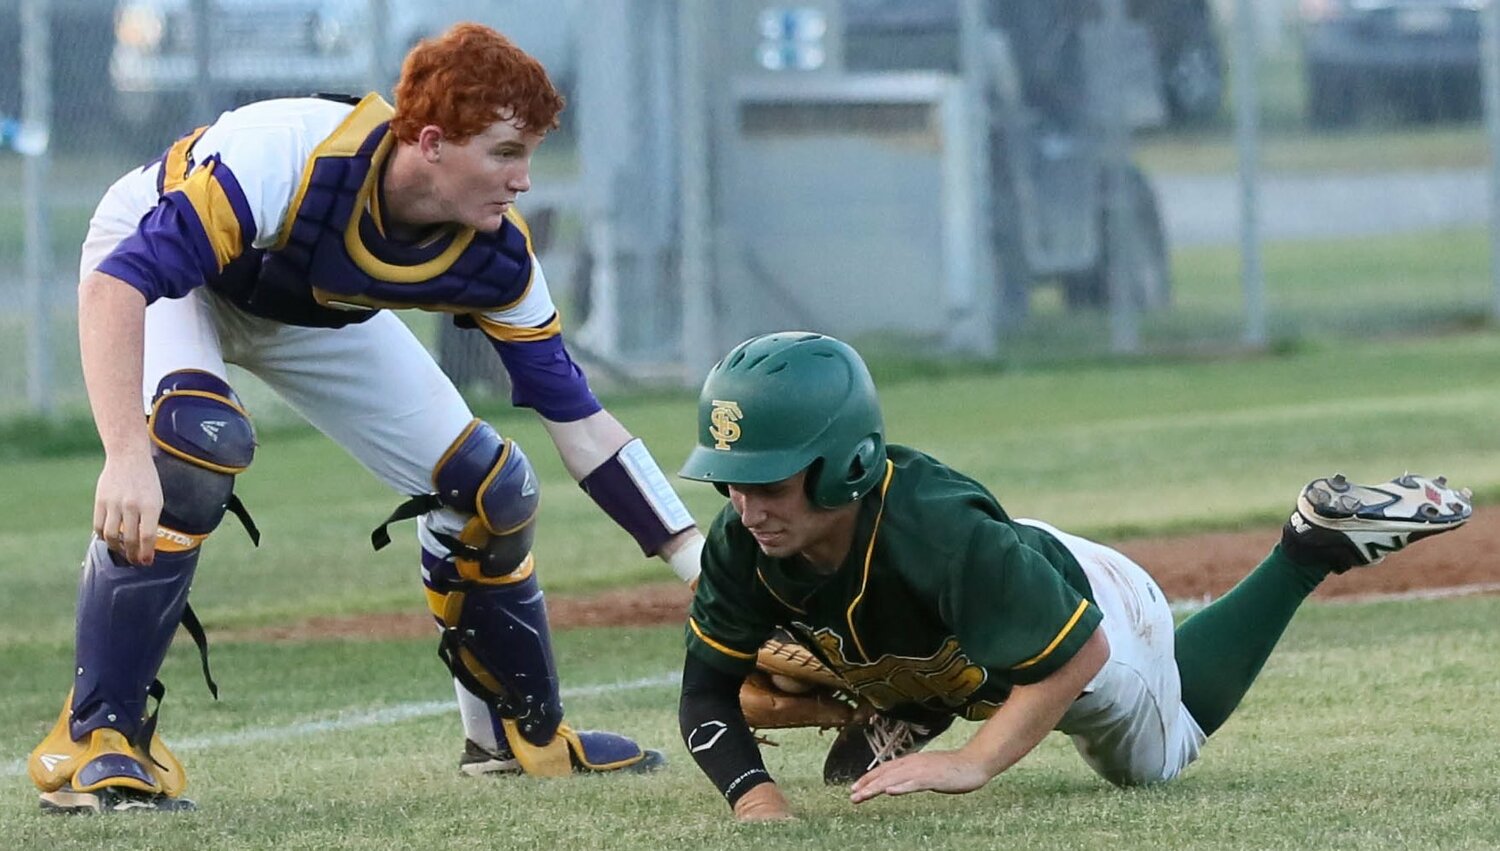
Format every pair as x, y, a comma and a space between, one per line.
478, 761
1343, 525
861, 746
111, 799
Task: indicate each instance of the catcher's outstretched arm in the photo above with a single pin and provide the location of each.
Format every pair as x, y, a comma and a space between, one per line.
714, 730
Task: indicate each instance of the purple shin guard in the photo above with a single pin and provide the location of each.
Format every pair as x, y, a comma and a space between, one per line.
127, 616
504, 628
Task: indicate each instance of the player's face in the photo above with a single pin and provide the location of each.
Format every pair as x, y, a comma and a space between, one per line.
482, 176
784, 521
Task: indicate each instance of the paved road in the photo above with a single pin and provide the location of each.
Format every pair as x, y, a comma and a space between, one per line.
1204, 209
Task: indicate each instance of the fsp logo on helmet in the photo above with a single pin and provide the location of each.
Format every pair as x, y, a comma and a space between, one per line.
726, 428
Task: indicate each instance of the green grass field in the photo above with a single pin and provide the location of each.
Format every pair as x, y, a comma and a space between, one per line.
1373, 726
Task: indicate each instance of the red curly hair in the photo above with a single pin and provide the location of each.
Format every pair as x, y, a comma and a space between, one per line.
468, 78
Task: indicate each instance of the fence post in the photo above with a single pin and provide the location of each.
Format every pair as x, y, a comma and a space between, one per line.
33, 143
1490, 50
1124, 323
205, 99
700, 342
1246, 57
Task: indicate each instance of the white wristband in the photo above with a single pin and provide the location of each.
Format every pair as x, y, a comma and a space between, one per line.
687, 561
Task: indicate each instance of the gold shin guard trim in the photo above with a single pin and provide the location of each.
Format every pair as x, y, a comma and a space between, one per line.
57, 758
173, 541
549, 760
52, 763
479, 672
574, 742
445, 606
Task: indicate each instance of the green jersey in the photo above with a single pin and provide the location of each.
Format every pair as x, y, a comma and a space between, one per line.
943, 601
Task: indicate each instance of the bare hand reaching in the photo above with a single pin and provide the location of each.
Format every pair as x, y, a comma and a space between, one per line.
941, 771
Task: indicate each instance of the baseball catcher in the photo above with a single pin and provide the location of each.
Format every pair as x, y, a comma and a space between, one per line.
925, 601
279, 238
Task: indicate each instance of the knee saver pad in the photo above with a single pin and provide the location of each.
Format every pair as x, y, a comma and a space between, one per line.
490, 477
203, 439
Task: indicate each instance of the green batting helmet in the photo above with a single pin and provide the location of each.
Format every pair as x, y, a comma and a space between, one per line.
785, 402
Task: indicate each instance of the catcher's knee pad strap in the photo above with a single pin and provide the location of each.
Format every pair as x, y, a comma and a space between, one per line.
488, 477
127, 616
497, 643
203, 439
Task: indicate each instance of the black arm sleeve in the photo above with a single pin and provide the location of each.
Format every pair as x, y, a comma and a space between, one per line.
715, 732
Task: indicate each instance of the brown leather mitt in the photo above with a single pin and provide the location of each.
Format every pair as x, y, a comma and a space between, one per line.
791, 688
794, 668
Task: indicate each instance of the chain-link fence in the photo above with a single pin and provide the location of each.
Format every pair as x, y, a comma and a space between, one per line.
1033, 180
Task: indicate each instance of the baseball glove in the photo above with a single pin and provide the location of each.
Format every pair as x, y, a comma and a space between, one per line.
791, 688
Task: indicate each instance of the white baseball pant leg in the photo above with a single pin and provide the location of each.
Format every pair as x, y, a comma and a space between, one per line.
1130, 725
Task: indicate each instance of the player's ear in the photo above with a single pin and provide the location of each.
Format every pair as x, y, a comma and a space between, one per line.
430, 143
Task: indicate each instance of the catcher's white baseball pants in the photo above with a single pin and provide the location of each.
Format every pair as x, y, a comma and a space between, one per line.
372, 387
1130, 725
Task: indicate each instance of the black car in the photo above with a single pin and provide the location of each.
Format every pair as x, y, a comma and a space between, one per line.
1419, 56
885, 35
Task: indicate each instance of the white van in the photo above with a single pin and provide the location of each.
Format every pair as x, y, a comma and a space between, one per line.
265, 48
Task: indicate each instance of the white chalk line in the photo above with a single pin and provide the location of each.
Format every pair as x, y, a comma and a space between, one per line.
353, 720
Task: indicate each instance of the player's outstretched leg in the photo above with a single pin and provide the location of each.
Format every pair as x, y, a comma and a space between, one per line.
1336, 525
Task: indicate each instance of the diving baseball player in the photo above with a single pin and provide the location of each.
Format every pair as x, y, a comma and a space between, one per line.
275, 239
910, 582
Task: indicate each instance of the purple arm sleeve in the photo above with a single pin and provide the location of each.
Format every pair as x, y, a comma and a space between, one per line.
543, 377
169, 253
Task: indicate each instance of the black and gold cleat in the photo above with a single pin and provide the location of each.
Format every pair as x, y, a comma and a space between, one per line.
111, 799
479, 761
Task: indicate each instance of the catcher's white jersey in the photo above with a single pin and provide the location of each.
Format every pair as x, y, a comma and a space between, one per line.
371, 386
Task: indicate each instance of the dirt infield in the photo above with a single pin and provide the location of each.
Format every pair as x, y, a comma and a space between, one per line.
1188, 567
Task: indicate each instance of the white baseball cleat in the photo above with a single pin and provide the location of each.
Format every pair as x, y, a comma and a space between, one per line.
1342, 525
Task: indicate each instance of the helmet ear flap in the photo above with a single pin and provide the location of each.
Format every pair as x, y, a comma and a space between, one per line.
833, 485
